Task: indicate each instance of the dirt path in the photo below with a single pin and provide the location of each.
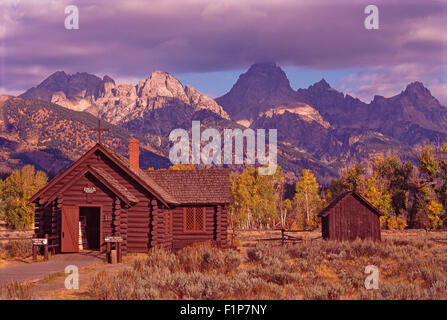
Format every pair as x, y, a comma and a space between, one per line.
54, 288
37, 271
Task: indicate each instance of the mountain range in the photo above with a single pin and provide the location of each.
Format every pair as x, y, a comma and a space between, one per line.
319, 127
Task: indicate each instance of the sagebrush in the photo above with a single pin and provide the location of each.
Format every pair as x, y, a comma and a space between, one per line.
409, 269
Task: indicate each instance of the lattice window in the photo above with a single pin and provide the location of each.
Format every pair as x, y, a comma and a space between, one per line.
199, 219
189, 219
194, 219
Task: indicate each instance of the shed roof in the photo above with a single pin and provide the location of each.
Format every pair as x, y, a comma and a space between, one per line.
327, 210
199, 186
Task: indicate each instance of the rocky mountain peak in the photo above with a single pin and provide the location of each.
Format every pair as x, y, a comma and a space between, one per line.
58, 81
326, 100
106, 79
58, 77
323, 84
161, 84
320, 87
267, 66
117, 103
266, 76
416, 88
202, 102
263, 86
377, 98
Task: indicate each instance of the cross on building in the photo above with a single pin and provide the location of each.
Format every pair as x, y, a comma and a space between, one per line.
99, 130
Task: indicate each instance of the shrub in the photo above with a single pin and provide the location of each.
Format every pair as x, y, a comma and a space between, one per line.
437, 291
354, 280
19, 249
303, 265
432, 276
232, 260
317, 270
400, 291
255, 254
393, 223
18, 291
324, 291
278, 275
159, 257
201, 257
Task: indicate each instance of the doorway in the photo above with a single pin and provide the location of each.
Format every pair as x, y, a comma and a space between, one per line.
90, 228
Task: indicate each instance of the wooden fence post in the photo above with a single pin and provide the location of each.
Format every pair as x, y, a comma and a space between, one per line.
34, 249
45, 250
282, 236
107, 251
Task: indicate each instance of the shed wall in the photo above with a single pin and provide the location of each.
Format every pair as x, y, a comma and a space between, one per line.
350, 219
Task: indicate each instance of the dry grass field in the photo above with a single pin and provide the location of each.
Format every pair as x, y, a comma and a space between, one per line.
411, 264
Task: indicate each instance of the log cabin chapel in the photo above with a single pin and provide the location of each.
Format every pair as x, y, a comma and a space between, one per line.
103, 194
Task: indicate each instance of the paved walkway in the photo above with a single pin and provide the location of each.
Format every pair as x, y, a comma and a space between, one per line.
38, 270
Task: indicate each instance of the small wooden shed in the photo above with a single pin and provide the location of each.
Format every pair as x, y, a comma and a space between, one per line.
350, 217
103, 194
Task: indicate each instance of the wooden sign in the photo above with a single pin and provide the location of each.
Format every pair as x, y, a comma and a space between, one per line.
89, 189
40, 241
113, 239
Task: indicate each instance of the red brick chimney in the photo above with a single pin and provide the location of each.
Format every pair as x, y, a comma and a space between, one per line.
134, 154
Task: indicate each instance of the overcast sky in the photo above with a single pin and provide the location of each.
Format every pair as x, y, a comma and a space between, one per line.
208, 43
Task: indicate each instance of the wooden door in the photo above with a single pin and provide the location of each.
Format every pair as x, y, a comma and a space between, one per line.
70, 229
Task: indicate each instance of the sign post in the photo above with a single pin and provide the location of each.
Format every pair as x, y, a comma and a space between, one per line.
40, 242
117, 241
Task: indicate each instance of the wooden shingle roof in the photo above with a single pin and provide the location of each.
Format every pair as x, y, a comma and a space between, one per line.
151, 183
202, 186
114, 184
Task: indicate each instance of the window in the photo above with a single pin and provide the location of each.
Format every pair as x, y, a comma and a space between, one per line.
194, 219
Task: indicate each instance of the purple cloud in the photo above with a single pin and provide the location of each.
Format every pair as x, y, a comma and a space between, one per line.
129, 39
